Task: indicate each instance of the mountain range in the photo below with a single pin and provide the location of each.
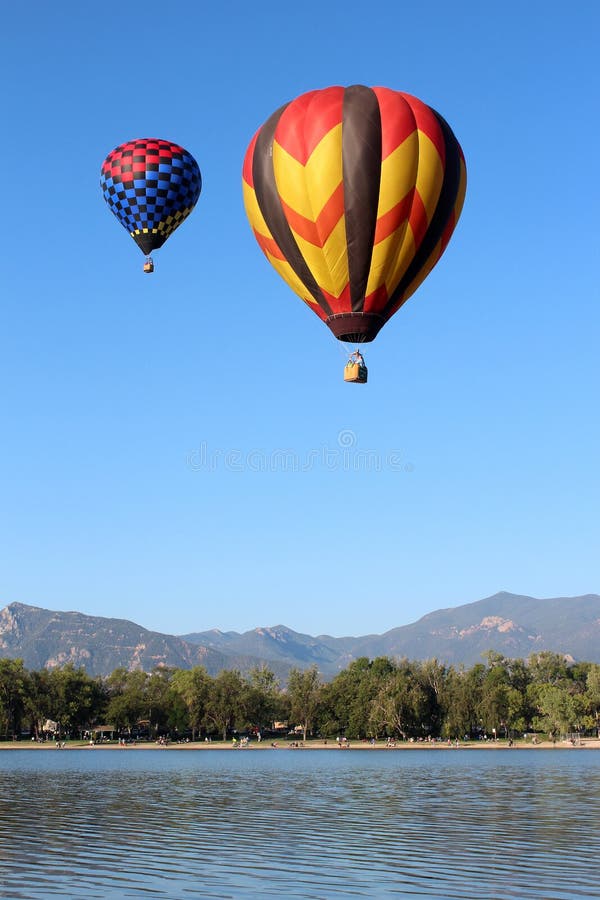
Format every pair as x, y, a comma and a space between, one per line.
513, 625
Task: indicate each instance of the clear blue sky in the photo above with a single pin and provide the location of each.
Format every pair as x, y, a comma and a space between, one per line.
142, 417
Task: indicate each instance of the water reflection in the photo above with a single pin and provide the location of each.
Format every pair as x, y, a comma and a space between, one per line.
444, 824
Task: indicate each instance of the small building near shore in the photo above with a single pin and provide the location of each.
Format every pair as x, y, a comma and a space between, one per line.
100, 732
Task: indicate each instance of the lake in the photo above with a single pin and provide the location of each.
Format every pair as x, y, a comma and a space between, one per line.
176, 823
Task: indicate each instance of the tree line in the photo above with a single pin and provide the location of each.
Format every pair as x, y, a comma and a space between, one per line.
379, 698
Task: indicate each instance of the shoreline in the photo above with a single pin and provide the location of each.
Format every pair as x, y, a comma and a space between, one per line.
586, 744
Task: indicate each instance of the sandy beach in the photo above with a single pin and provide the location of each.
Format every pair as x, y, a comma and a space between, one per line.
277, 745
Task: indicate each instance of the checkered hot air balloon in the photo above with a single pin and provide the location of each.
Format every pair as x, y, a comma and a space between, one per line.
353, 194
151, 186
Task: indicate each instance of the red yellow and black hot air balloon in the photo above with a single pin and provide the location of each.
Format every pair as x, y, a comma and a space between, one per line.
353, 194
151, 186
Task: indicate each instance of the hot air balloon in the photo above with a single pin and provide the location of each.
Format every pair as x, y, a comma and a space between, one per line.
151, 186
353, 194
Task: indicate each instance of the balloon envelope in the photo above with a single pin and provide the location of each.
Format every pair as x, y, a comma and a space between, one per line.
353, 194
151, 186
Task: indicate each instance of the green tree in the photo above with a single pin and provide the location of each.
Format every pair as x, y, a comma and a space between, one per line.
548, 668
304, 693
346, 702
160, 701
494, 700
193, 686
518, 714
462, 701
362, 723
592, 695
13, 693
38, 701
556, 709
118, 680
435, 676
76, 699
225, 701
263, 700
402, 705
127, 698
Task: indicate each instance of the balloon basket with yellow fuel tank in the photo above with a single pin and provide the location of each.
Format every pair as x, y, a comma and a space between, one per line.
148, 265
355, 373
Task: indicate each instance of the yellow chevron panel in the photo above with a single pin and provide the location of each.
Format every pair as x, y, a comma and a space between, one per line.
398, 173
255, 216
329, 264
290, 277
256, 219
404, 257
308, 188
385, 256
398, 177
430, 175
437, 251
429, 180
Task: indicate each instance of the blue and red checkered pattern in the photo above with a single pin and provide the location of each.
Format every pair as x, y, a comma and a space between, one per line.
151, 186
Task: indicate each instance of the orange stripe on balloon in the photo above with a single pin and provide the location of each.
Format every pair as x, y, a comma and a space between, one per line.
341, 303
306, 121
268, 245
376, 300
316, 309
247, 167
418, 219
393, 218
317, 232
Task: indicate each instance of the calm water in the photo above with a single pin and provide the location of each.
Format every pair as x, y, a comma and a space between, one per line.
312, 824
